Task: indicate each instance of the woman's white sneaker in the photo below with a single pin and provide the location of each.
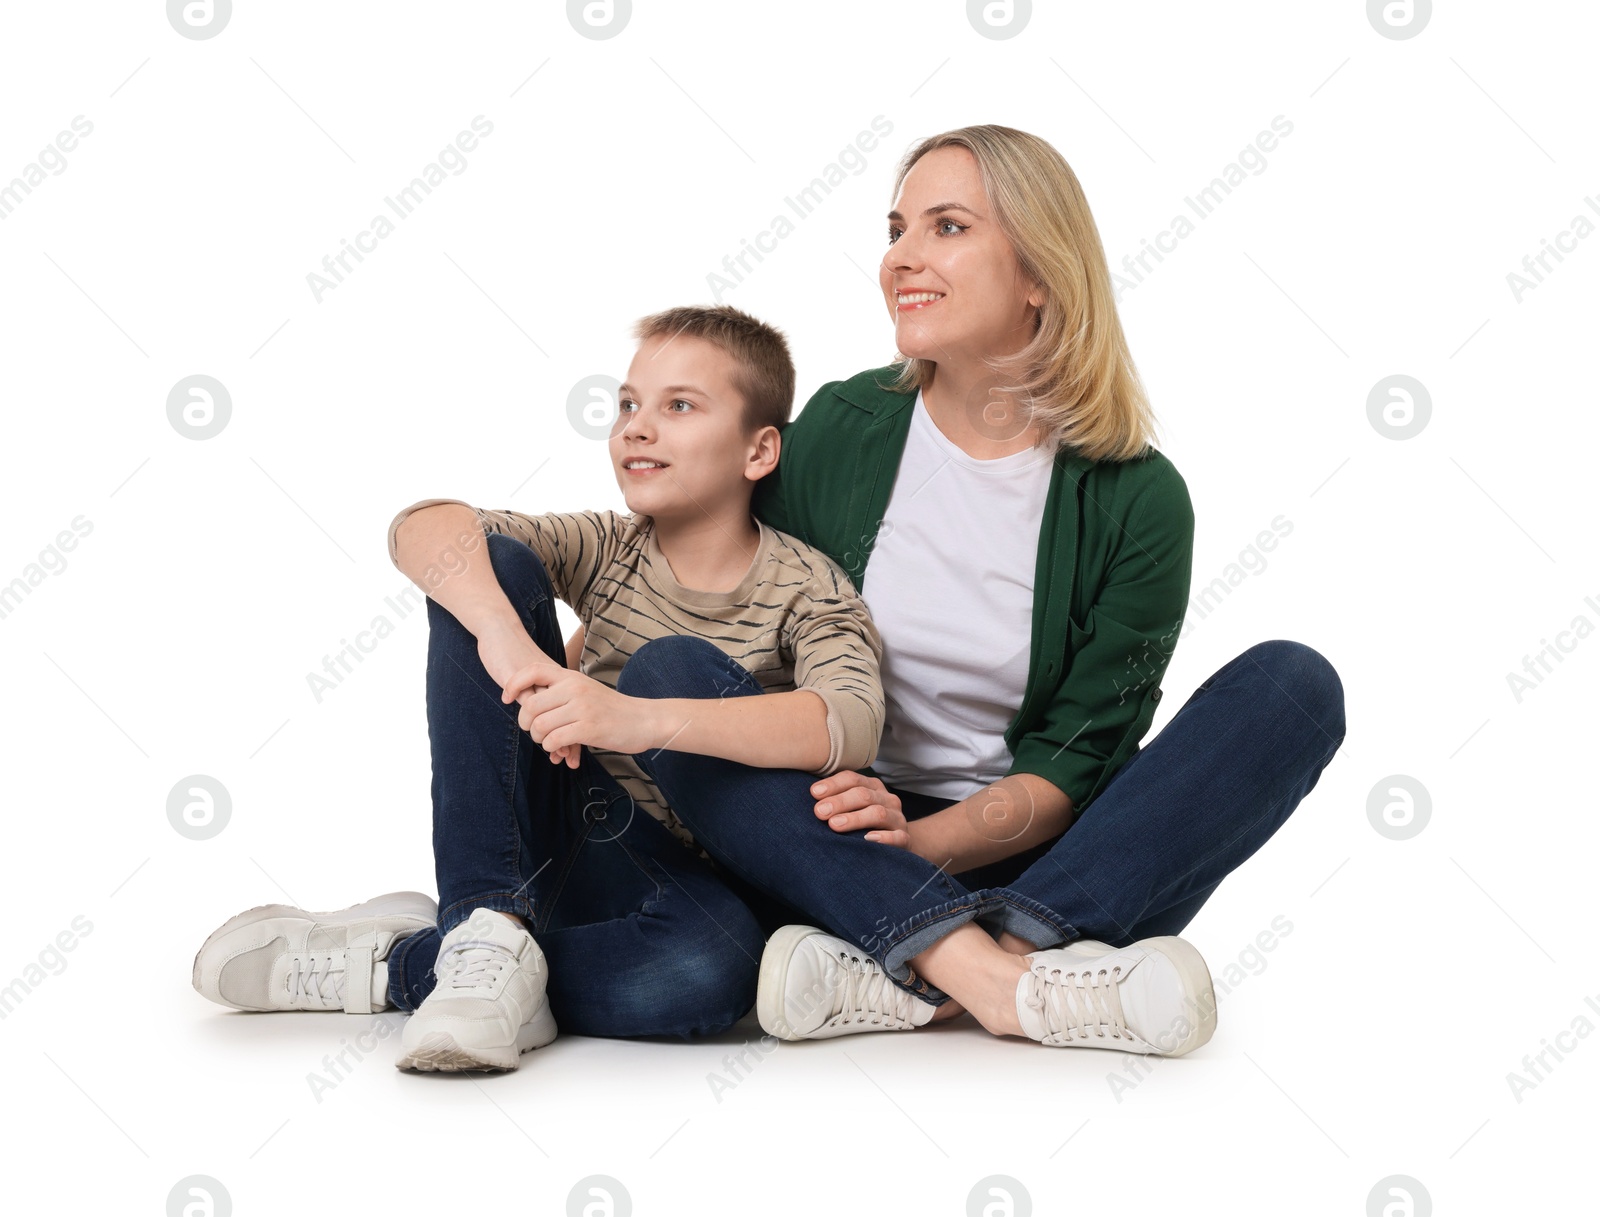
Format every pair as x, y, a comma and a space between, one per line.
1152, 997
814, 986
277, 957
488, 1004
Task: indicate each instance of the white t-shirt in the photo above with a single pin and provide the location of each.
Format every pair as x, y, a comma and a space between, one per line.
951, 592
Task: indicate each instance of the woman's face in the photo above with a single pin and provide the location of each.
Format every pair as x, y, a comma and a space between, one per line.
944, 240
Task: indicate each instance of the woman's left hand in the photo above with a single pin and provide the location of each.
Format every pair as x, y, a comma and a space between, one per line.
851, 801
562, 709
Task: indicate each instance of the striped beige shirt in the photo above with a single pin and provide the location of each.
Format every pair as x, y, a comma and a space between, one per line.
794, 621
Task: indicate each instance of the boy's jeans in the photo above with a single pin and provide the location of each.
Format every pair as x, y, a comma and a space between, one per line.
641, 936
1175, 819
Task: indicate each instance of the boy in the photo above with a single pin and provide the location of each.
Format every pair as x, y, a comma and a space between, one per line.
642, 934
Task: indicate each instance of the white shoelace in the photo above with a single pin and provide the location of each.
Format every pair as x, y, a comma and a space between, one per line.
473, 966
315, 979
1076, 1001
868, 995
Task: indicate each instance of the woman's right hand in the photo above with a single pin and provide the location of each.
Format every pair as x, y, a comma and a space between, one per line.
852, 801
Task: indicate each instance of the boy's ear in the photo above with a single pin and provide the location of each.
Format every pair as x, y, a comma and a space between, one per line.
768, 445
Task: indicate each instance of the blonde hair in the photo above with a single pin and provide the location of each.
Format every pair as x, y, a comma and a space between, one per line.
1075, 377
763, 371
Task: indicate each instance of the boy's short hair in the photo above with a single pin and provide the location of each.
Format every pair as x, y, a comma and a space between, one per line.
763, 372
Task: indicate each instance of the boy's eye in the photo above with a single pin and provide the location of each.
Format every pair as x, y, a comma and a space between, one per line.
624, 403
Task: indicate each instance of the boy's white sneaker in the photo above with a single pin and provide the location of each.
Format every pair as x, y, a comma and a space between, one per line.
277, 957
1152, 997
814, 986
488, 1004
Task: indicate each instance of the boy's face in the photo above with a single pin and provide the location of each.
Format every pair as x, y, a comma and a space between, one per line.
678, 407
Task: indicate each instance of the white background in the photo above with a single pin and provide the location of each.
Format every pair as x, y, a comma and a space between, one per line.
1376, 1038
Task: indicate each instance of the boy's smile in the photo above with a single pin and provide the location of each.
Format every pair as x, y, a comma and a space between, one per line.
679, 445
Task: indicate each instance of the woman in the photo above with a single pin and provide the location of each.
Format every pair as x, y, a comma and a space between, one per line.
1002, 488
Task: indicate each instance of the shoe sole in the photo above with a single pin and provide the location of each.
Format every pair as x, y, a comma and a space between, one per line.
392, 904
1199, 998
439, 1052
773, 979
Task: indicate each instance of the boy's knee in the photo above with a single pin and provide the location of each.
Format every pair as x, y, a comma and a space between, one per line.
674, 665
698, 989
715, 987
519, 569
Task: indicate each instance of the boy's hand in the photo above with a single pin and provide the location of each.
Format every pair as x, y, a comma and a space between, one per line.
563, 709
505, 648
568, 755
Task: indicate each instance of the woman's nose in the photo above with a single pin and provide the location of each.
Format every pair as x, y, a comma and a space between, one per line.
902, 257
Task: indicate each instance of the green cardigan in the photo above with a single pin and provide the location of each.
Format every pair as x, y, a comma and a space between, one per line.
1110, 586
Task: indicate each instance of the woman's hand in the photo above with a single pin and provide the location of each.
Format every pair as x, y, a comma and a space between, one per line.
851, 801
563, 709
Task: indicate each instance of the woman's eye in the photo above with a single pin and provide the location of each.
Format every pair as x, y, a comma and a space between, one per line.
894, 233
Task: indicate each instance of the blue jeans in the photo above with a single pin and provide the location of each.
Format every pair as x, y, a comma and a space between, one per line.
1180, 814
641, 935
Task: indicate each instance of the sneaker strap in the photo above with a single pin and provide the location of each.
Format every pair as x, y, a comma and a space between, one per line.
359, 957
